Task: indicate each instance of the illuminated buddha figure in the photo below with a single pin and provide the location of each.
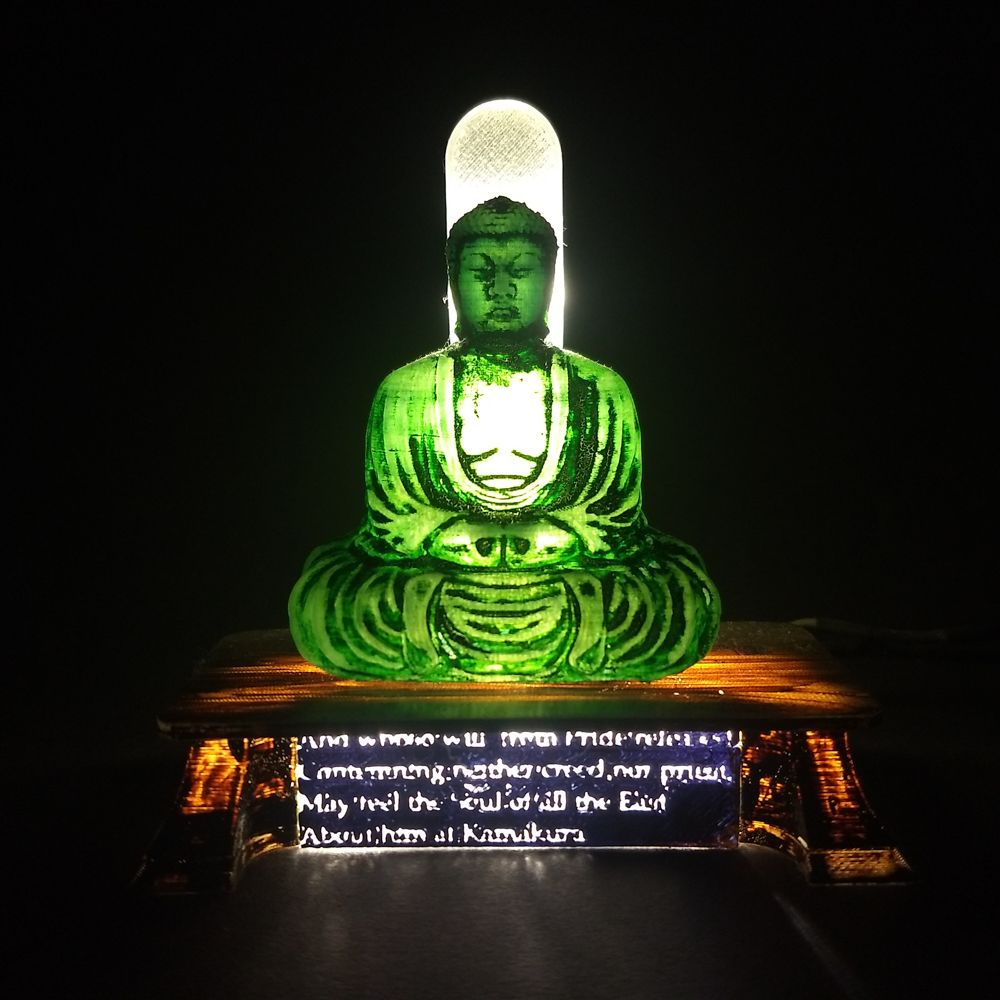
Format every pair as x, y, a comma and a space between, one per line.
504, 538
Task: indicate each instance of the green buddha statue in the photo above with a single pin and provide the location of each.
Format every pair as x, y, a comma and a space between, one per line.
504, 538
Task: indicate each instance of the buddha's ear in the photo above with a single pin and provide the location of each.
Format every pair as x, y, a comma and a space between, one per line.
550, 286
456, 299
550, 273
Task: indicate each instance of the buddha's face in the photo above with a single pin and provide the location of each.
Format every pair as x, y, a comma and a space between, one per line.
502, 284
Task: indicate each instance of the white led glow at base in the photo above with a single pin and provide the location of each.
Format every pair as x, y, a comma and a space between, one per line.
508, 148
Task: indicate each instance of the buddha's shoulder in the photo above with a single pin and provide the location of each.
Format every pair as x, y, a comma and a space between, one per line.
423, 372
606, 378
416, 373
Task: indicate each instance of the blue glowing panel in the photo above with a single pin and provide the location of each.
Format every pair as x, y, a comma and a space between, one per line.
569, 788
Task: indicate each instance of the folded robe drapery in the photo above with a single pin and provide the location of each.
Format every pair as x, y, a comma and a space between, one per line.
577, 586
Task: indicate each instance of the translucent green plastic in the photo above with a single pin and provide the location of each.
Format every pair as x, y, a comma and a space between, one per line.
504, 538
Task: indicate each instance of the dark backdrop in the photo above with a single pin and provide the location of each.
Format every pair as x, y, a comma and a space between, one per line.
779, 232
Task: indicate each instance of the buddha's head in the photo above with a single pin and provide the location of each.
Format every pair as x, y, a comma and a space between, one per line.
501, 260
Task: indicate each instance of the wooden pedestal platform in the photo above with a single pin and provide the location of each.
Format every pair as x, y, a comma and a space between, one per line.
790, 700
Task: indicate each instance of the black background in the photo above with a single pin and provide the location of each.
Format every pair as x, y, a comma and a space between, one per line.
780, 231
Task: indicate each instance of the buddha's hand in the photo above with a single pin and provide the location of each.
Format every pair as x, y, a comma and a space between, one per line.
487, 545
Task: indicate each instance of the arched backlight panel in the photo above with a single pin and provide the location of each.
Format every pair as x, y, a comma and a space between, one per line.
508, 148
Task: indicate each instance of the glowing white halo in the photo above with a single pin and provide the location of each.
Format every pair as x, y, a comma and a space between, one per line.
508, 148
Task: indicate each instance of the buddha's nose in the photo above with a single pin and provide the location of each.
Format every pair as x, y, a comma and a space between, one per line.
503, 287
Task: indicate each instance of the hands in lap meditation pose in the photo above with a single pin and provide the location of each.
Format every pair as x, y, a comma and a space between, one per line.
504, 538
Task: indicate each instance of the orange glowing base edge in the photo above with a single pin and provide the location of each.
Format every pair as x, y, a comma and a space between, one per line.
800, 793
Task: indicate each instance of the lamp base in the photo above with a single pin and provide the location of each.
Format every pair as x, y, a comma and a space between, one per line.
632, 762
